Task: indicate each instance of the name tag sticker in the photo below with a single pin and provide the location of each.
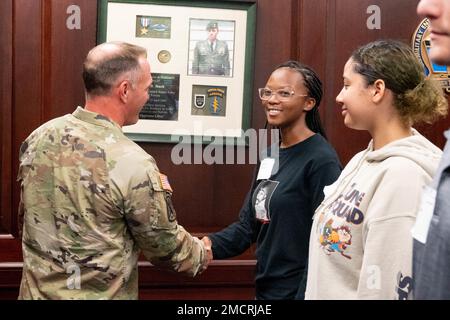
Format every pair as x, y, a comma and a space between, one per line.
265, 169
423, 220
330, 189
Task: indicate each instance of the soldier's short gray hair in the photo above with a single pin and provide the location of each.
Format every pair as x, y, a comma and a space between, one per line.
107, 62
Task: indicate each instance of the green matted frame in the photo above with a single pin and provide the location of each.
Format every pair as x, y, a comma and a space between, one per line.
250, 9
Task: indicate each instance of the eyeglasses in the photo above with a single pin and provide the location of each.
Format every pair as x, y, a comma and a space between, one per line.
282, 94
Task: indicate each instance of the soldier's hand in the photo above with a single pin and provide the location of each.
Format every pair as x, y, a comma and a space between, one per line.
208, 244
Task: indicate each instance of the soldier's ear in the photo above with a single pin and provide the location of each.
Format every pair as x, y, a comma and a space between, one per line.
124, 90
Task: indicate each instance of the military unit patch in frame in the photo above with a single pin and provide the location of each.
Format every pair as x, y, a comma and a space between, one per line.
421, 44
199, 100
209, 100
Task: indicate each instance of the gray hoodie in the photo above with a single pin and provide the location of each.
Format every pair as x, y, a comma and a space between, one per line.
361, 243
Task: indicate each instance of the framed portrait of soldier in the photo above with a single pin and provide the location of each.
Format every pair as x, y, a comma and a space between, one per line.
201, 58
211, 45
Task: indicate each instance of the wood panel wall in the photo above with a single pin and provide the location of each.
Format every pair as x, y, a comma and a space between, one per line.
40, 79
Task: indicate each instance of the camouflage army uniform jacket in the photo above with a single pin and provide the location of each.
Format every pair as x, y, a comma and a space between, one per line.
216, 62
91, 200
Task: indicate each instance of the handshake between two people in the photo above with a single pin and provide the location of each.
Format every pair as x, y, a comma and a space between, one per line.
208, 252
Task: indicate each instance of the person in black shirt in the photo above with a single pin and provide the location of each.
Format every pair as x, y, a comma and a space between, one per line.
306, 164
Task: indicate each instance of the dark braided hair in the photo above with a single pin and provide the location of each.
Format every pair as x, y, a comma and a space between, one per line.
314, 87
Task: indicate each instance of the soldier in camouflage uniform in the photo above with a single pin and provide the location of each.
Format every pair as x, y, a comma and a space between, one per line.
92, 199
211, 56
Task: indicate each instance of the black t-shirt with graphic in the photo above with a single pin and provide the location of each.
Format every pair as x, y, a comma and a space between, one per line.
277, 215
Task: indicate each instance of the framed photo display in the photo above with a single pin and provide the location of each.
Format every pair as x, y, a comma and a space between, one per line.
201, 59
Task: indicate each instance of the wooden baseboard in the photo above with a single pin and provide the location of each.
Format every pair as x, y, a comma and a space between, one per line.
227, 279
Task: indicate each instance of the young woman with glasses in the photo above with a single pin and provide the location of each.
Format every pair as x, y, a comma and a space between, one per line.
361, 244
277, 212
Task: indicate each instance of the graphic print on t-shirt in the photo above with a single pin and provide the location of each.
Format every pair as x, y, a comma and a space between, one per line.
336, 220
261, 199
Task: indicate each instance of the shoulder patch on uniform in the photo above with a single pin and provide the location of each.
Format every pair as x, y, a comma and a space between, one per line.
164, 180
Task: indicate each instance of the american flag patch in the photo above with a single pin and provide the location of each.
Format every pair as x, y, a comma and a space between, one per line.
165, 182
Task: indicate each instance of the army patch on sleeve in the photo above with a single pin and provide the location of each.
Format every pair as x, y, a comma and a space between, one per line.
171, 214
165, 182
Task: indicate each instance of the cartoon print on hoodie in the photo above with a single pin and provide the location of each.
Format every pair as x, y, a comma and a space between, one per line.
335, 232
335, 239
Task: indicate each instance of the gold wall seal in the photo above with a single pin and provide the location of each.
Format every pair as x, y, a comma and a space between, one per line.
421, 45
